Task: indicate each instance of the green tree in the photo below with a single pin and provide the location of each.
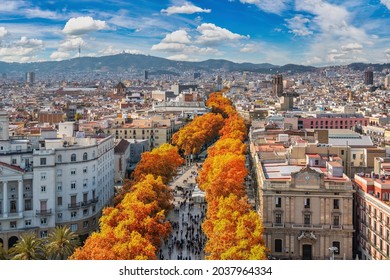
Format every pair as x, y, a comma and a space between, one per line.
62, 242
29, 247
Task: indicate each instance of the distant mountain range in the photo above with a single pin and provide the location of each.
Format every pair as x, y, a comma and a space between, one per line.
137, 62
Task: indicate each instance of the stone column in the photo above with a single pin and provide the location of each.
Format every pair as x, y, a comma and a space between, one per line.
5, 199
20, 196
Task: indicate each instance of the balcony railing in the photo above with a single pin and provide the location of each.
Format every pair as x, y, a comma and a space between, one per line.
305, 226
278, 225
89, 202
46, 212
337, 227
74, 205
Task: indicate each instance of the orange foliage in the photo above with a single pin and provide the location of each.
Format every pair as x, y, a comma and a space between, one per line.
234, 128
222, 175
162, 161
227, 145
201, 130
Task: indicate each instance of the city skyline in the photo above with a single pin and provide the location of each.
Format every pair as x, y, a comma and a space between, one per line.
309, 32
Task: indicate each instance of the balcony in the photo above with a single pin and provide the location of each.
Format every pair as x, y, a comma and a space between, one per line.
46, 212
89, 202
336, 227
306, 226
74, 205
278, 225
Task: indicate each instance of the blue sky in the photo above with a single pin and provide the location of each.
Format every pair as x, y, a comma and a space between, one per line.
309, 32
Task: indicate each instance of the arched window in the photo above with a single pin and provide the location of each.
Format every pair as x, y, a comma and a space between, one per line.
85, 156
59, 158
73, 157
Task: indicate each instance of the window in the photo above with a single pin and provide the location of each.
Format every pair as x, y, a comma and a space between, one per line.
278, 218
337, 245
43, 161
336, 220
43, 221
73, 172
12, 224
307, 202
14, 162
59, 216
73, 157
278, 202
43, 188
85, 183
59, 172
85, 170
342, 152
85, 224
278, 245
59, 186
306, 219
43, 176
94, 221
59, 158
13, 206
85, 156
27, 205
43, 234
85, 212
73, 185
73, 227
336, 204
27, 223
59, 201
73, 214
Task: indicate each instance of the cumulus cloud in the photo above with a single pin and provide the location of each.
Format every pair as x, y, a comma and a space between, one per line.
59, 55
38, 13
186, 8
182, 57
3, 32
212, 34
298, 26
10, 6
30, 43
268, 6
179, 36
386, 3
352, 47
82, 25
72, 44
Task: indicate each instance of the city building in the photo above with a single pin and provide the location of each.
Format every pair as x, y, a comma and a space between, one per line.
372, 211
52, 182
30, 78
306, 209
277, 85
368, 77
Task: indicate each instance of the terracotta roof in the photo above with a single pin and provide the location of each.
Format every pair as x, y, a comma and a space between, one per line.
121, 147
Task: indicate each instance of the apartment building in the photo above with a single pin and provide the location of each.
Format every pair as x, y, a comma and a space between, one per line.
372, 211
60, 181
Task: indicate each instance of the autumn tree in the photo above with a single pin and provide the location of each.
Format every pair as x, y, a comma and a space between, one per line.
234, 127
162, 161
227, 145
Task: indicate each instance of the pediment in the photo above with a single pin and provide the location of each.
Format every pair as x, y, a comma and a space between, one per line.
10, 170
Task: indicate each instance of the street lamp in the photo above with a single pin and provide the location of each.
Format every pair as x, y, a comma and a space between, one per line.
332, 251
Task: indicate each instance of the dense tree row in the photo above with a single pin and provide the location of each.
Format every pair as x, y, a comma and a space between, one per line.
136, 226
234, 231
203, 129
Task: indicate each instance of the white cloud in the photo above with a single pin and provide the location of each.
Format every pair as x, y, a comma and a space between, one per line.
269, 6
82, 25
352, 47
10, 6
3, 32
38, 13
30, 43
212, 34
249, 48
182, 57
168, 47
186, 8
298, 26
386, 3
59, 55
179, 36
72, 44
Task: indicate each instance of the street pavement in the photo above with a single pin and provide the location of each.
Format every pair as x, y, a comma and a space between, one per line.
187, 239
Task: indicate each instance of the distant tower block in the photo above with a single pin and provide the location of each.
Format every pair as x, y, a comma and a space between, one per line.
4, 125
30, 77
277, 85
350, 96
146, 75
368, 77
